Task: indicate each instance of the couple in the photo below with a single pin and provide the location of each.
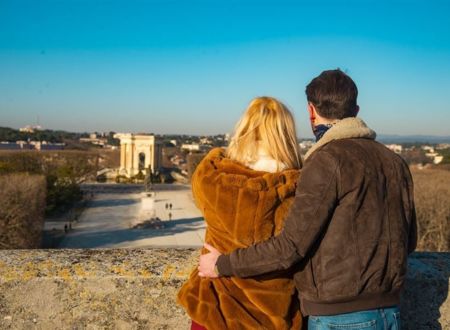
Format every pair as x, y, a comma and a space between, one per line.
328, 240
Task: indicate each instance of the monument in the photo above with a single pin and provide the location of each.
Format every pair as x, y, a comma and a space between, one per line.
138, 152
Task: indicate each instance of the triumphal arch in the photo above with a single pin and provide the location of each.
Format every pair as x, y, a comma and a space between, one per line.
138, 152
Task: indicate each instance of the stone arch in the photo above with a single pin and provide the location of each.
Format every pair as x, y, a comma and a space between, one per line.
141, 159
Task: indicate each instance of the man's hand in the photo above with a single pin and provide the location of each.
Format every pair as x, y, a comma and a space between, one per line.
208, 262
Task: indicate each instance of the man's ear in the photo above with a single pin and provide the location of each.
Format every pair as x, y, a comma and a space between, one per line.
312, 112
357, 110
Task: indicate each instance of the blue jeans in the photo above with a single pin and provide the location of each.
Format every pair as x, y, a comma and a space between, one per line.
374, 319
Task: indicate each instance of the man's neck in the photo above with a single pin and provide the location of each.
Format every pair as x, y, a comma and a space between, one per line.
321, 126
324, 121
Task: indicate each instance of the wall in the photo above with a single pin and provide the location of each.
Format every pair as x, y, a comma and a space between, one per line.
136, 288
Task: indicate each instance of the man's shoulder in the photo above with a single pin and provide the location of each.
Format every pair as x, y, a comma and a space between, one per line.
358, 150
345, 147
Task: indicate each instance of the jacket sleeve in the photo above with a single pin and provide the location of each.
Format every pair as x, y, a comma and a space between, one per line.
313, 207
412, 235
412, 239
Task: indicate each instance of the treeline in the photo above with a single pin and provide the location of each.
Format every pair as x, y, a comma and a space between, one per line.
418, 156
446, 154
12, 135
35, 184
63, 171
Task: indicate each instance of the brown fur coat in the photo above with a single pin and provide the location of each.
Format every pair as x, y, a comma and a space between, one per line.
241, 207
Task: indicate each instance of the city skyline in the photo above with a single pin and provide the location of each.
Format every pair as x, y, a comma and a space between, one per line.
191, 68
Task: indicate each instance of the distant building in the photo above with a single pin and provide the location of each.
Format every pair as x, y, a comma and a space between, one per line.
31, 145
195, 147
397, 148
190, 147
205, 140
438, 159
138, 152
430, 152
9, 146
443, 146
30, 128
305, 145
430, 149
177, 160
94, 139
44, 145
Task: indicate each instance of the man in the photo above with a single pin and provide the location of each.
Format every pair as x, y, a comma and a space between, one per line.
351, 226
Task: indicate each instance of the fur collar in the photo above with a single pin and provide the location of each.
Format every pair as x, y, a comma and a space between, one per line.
346, 128
225, 171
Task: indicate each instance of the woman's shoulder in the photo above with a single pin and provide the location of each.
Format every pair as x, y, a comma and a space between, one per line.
217, 152
209, 159
228, 171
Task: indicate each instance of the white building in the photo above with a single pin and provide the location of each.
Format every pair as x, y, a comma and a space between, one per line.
30, 128
138, 152
397, 148
306, 144
94, 140
438, 159
191, 147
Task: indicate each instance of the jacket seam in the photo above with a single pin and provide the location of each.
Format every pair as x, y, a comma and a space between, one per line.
318, 205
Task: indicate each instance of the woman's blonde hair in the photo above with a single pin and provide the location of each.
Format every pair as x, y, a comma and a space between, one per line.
267, 123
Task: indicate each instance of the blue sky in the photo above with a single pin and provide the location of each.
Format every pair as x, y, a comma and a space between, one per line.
192, 66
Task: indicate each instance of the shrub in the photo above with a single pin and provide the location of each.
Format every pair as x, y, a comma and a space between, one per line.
432, 198
193, 160
64, 170
22, 206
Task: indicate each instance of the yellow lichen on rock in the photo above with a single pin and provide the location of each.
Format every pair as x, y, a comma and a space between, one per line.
84, 294
79, 270
9, 274
145, 273
29, 274
65, 274
168, 272
121, 271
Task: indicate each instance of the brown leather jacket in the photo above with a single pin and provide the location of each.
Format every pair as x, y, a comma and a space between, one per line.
349, 231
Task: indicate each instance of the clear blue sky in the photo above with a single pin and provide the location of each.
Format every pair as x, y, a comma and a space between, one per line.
192, 66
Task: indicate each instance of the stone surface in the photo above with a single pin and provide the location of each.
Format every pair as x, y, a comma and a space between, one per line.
93, 288
136, 288
426, 301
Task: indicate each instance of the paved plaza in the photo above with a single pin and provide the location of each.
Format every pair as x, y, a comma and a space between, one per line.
108, 219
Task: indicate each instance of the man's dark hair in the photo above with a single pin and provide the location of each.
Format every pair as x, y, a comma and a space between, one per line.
334, 95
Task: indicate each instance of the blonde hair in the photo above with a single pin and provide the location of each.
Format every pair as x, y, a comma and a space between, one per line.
267, 123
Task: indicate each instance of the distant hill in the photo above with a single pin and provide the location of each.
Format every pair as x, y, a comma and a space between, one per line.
432, 139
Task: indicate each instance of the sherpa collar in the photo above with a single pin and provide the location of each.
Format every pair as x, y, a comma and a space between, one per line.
346, 128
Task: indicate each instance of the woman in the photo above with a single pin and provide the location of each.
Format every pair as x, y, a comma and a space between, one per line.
244, 192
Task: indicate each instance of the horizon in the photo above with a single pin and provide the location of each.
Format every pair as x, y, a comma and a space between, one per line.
380, 136
192, 68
